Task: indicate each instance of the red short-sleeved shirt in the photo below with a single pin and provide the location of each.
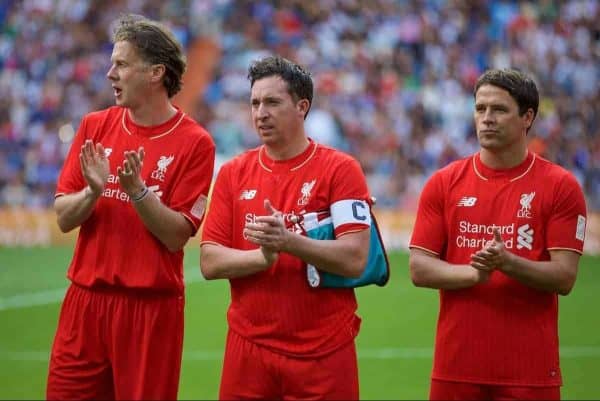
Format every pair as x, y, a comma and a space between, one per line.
277, 308
499, 332
114, 247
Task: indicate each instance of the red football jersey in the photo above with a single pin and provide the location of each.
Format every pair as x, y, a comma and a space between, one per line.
114, 247
500, 332
277, 308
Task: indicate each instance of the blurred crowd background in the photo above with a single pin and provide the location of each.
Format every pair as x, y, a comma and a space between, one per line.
393, 79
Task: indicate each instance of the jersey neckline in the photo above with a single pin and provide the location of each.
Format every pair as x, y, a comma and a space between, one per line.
154, 131
293, 164
510, 174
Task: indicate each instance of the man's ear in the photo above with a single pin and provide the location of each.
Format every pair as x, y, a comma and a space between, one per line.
529, 117
303, 105
158, 72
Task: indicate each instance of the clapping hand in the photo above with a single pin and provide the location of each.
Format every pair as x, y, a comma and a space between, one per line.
130, 173
492, 256
269, 232
94, 166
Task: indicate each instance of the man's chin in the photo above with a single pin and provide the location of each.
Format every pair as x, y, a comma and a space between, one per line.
267, 138
119, 101
489, 145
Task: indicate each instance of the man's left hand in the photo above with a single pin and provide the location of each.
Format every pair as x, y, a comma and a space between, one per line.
269, 232
130, 173
493, 256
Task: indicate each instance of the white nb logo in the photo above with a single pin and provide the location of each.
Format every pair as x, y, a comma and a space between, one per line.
248, 194
525, 237
467, 201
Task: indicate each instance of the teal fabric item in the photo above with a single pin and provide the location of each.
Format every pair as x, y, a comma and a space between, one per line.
376, 272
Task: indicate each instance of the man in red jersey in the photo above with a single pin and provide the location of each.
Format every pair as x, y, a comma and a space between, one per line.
286, 339
500, 234
136, 182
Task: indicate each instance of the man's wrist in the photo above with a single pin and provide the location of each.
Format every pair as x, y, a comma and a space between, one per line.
138, 196
88, 192
269, 256
509, 262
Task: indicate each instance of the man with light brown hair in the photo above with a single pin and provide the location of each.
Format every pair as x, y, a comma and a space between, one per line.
135, 182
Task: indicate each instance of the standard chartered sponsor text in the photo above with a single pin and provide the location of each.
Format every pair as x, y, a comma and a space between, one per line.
465, 240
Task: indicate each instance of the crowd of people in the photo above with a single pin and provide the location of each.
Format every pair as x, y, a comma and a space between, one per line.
393, 79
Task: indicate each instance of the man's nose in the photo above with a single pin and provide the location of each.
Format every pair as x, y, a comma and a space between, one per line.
110, 74
261, 111
488, 116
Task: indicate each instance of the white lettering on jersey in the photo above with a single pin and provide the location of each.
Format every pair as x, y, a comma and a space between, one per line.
290, 220
467, 201
580, 232
472, 228
525, 210
525, 237
113, 179
107, 152
477, 236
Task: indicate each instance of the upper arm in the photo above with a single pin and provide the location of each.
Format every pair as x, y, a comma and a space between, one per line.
350, 211
218, 225
566, 263
568, 260
356, 239
565, 229
429, 229
190, 194
416, 257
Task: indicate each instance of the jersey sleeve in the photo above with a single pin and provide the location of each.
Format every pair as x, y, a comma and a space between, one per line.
191, 193
349, 208
71, 179
567, 222
429, 231
219, 217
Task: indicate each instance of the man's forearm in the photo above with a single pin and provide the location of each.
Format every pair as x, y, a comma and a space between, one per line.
553, 275
75, 208
220, 262
431, 272
171, 228
345, 256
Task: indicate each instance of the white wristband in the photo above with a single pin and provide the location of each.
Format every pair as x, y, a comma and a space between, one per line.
141, 195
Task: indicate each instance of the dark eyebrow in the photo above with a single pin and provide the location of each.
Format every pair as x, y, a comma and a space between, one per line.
266, 99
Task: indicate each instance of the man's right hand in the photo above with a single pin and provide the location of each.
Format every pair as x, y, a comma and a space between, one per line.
94, 166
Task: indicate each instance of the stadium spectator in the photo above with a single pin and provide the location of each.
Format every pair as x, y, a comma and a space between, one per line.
135, 181
499, 234
286, 340
384, 71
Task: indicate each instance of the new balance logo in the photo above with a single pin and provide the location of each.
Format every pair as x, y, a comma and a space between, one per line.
525, 237
467, 201
248, 194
